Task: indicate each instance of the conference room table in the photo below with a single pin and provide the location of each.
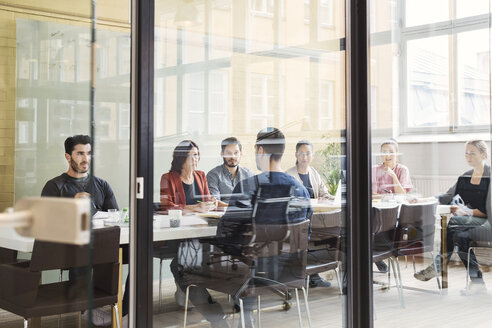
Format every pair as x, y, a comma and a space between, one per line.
197, 226
192, 226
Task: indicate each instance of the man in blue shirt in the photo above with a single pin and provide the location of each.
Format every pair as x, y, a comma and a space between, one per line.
269, 148
224, 178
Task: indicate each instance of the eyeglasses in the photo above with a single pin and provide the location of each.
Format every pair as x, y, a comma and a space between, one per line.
304, 154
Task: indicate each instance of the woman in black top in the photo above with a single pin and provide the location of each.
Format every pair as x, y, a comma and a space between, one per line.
471, 215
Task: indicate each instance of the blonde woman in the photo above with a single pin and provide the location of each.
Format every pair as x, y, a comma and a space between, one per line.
470, 214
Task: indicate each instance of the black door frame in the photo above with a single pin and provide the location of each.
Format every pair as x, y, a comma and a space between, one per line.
359, 244
142, 166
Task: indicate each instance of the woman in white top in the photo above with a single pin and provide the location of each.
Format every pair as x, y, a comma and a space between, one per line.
306, 174
311, 180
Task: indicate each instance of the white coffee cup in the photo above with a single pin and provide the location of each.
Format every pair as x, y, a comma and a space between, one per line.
175, 218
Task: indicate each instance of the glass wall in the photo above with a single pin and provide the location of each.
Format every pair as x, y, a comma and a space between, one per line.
45, 98
231, 69
430, 107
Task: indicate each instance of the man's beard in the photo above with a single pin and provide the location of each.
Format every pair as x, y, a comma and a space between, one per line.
76, 167
230, 165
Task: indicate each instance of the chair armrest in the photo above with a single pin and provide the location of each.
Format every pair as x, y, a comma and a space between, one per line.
18, 284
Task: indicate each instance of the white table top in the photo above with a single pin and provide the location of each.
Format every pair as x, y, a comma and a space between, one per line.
191, 227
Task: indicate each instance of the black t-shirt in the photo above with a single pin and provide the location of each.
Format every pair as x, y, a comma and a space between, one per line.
191, 194
474, 196
66, 186
307, 184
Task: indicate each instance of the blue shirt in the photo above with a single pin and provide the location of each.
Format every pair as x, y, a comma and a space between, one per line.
240, 204
221, 183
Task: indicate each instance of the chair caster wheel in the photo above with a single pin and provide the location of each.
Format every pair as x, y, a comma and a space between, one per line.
286, 306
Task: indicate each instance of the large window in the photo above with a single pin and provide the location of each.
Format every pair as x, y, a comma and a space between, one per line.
438, 66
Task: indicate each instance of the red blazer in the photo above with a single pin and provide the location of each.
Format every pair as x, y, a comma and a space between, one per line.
172, 192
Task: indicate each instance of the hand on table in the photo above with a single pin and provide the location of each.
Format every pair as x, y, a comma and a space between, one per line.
325, 199
460, 211
82, 195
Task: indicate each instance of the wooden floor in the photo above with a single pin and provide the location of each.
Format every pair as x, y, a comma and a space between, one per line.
422, 308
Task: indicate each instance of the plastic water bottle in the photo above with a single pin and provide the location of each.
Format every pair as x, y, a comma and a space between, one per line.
125, 216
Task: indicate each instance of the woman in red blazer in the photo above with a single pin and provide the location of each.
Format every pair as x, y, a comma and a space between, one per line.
184, 187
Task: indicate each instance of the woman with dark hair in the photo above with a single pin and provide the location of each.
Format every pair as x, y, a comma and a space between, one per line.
184, 187
470, 203
306, 174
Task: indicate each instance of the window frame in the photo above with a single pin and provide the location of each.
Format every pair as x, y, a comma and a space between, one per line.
451, 28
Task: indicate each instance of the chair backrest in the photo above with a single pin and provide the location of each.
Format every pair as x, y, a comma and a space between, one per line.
50, 255
283, 260
384, 222
416, 226
326, 225
271, 204
384, 219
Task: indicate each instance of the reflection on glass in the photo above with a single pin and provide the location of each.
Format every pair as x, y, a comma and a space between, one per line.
255, 64
471, 8
45, 75
428, 82
473, 77
432, 111
435, 11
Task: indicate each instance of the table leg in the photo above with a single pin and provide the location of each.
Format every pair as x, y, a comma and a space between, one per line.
120, 297
444, 258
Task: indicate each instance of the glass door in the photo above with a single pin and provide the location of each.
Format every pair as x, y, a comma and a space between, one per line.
247, 95
64, 134
430, 118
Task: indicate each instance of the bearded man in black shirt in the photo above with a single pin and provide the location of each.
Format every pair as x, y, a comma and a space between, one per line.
75, 182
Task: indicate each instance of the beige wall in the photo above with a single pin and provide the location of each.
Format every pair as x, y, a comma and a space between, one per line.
7, 108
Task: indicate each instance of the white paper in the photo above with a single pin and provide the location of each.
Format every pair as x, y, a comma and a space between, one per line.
100, 215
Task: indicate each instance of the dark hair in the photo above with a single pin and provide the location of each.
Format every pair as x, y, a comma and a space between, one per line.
230, 141
180, 154
79, 139
272, 140
303, 143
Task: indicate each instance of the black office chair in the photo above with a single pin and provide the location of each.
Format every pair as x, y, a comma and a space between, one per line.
481, 238
22, 293
384, 222
268, 255
415, 233
324, 245
7, 256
